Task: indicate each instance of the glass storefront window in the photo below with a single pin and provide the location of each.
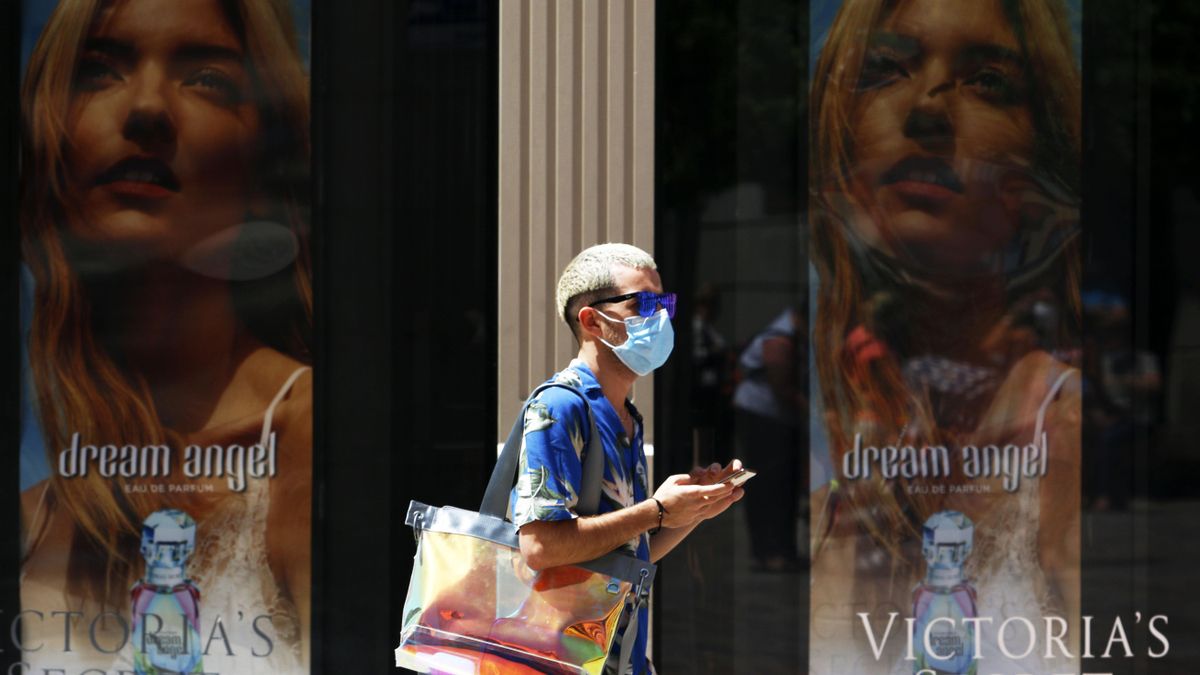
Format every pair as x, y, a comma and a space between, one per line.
935, 288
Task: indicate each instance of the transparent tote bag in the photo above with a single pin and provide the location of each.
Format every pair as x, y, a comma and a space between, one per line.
475, 607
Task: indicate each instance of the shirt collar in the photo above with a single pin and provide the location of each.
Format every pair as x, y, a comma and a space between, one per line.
590, 385
587, 378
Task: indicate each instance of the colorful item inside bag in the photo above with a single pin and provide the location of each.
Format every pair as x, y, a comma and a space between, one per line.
475, 607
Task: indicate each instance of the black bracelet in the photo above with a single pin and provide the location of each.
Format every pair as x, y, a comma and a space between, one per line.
661, 511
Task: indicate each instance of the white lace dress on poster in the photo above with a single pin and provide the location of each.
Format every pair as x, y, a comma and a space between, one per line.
1008, 577
236, 582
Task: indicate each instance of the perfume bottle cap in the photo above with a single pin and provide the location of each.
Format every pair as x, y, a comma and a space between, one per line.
168, 539
946, 543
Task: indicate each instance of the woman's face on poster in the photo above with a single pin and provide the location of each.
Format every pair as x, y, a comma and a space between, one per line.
163, 129
941, 135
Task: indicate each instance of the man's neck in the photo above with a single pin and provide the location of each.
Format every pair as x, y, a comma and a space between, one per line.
615, 379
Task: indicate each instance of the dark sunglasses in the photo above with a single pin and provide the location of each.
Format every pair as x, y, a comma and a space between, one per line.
648, 302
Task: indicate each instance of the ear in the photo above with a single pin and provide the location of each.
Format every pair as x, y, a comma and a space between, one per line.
589, 322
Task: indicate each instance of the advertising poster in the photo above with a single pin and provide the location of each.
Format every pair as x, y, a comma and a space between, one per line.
944, 182
166, 452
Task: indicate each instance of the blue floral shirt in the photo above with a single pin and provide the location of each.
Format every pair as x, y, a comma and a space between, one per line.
550, 473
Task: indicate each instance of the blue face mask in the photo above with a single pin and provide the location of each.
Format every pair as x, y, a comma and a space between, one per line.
649, 343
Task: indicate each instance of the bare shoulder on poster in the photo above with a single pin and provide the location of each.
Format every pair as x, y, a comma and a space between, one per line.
234, 462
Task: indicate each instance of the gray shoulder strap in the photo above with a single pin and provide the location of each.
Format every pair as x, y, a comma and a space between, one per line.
495, 498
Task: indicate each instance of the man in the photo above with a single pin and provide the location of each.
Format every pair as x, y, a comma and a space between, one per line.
611, 298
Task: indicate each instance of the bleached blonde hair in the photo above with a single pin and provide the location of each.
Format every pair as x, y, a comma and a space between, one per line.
589, 276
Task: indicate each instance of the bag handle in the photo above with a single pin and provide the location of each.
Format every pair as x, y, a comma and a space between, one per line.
495, 499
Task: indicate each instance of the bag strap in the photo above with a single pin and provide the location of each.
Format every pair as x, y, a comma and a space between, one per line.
495, 498
628, 638
640, 592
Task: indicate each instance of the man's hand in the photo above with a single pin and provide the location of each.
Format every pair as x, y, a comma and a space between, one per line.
686, 502
702, 494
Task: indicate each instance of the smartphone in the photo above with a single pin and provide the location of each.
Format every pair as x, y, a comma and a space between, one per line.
739, 477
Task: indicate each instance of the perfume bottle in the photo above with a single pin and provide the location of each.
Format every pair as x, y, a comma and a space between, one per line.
945, 594
166, 604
